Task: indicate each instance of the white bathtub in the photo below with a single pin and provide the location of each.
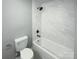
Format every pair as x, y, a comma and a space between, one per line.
51, 50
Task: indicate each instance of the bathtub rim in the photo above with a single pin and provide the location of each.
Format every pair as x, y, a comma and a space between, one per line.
51, 54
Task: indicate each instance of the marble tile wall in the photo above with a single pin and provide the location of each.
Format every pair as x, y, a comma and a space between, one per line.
58, 22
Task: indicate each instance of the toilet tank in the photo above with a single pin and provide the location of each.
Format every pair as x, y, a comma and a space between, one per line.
21, 43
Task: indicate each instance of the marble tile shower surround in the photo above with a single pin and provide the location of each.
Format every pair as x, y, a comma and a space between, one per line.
36, 19
57, 22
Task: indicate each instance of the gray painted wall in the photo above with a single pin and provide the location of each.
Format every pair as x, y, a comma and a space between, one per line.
16, 21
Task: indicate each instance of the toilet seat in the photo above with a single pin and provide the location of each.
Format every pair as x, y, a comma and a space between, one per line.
26, 53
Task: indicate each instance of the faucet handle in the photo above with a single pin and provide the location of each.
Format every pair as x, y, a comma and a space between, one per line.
38, 36
37, 31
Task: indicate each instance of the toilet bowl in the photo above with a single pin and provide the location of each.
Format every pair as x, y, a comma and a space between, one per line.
26, 53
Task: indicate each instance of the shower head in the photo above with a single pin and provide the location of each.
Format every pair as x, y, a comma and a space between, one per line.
40, 8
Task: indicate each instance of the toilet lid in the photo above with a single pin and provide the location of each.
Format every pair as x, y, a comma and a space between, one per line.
27, 53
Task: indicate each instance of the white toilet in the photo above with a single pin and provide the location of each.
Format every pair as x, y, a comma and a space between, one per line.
21, 44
